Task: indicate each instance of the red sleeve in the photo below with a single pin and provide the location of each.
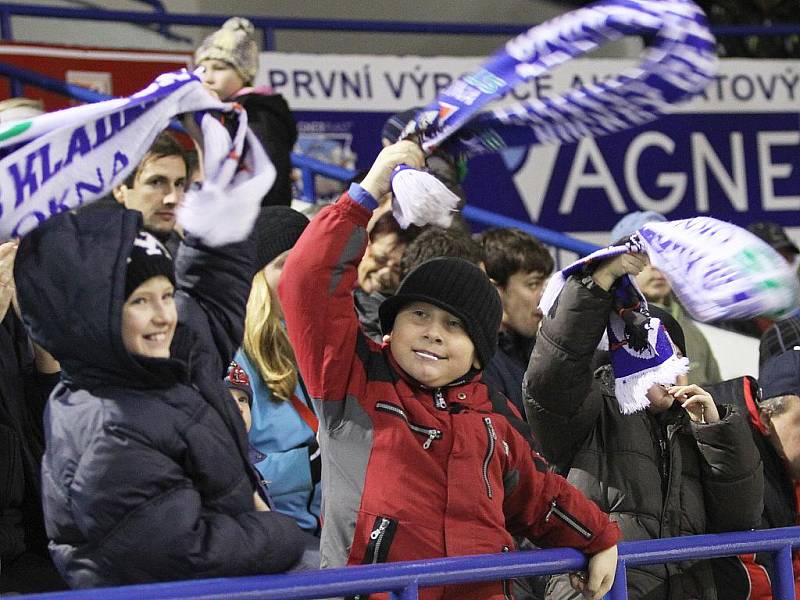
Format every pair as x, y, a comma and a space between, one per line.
551, 512
315, 291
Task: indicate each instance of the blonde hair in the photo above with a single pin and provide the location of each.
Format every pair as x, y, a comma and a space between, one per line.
266, 343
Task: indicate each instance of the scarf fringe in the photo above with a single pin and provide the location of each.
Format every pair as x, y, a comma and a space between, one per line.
421, 199
631, 391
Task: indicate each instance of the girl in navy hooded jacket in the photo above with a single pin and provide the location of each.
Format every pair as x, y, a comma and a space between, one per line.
146, 474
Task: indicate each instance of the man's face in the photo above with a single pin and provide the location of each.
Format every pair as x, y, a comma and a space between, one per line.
156, 193
660, 399
431, 345
520, 297
653, 284
784, 433
379, 270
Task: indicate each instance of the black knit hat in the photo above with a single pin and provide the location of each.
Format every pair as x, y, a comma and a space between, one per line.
460, 288
148, 258
277, 229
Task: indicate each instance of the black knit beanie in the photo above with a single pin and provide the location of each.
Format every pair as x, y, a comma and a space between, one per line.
148, 258
277, 229
460, 288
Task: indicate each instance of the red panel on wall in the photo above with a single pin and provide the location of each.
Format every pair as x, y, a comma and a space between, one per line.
112, 71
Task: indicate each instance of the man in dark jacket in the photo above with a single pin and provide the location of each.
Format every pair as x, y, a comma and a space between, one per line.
774, 414
146, 474
660, 472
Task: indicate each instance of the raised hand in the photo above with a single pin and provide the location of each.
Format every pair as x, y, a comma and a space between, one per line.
405, 152
612, 269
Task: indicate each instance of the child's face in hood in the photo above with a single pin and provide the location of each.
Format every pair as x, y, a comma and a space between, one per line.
431, 344
149, 317
221, 78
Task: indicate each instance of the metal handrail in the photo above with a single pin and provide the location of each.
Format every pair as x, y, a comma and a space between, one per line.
350, 25
404, 579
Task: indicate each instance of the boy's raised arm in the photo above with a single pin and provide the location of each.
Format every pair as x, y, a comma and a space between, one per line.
317, 282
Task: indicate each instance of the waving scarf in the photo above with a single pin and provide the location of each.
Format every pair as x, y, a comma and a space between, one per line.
679, 62
62, 160
719, 270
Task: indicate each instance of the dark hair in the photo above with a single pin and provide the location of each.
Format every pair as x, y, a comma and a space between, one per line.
509, 250
436, 242
386, 224
164, 145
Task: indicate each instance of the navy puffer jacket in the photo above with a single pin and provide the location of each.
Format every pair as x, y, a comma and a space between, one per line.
146, 474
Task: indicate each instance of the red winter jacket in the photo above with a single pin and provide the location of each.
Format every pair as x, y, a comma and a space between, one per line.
409, 472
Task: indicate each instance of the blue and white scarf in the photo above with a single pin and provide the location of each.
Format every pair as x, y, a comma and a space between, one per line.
641, 352
719, 270
678, 64
62, 160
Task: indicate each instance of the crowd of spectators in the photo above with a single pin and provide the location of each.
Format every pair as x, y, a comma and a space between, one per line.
345, 391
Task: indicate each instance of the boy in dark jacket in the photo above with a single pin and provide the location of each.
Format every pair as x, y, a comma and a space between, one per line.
683, 466
518, 265
419, 460
146, 475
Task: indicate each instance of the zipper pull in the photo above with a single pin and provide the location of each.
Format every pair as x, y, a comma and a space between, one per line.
438, 398
429, 441
381, 528
490, 427
550, 512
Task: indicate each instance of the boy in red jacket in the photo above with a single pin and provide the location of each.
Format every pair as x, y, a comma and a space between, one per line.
420, 459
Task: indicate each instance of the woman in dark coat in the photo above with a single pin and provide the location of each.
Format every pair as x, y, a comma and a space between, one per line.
146, 474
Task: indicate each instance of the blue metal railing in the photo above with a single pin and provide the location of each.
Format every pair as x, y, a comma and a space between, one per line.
403, 579
268, 25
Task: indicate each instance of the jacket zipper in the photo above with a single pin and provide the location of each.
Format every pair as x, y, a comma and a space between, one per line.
438, 399
505, 582
429, 432
491, 437
556, 510
379, 541
666, 471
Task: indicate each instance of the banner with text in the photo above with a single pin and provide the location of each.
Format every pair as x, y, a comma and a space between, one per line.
732, 153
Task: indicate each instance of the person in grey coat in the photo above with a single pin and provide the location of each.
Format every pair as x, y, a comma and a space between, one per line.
683, 466
146, 475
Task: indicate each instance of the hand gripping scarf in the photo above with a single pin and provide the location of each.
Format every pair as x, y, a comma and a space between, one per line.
59, 161
679, 62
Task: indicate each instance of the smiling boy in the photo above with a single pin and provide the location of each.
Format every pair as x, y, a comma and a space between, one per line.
419, 460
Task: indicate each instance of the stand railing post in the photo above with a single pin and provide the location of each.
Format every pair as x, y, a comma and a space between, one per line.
7, 33
783, 586
619, 591
410, 592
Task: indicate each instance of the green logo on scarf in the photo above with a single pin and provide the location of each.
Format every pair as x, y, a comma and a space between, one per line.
15, 130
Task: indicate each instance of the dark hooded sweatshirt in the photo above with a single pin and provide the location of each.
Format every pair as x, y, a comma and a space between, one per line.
146, 474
